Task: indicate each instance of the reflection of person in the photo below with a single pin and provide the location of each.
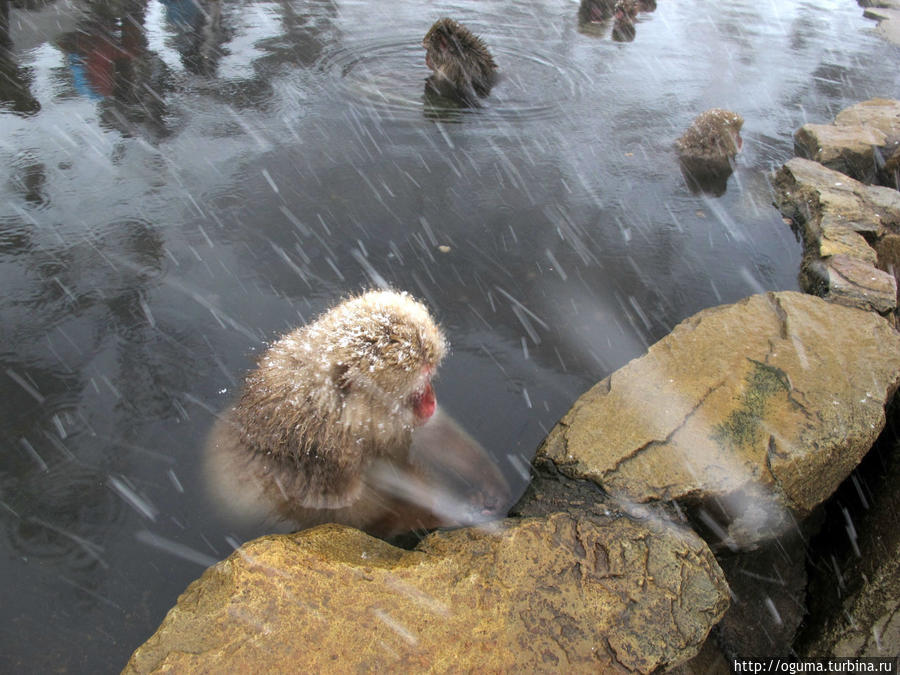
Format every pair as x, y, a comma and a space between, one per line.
29, 178
198, 33
15, 82
93, 70
100, 51
109, 62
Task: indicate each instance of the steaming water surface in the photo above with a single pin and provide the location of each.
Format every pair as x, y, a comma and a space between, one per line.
181, 182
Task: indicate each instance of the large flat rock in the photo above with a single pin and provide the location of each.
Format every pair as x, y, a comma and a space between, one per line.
761, 407
555, 594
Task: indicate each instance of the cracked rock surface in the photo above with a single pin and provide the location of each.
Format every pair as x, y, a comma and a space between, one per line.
761, 407
554, 594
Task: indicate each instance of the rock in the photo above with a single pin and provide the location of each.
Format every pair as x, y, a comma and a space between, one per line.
855, 590
750, 413
768, 591
839, 239
879, 113
811, 193
552, 594
840, 219
550, 491
888, 22
883, 115
847, 280
767, 585
879, 3
888, 251
710, 661
850, 149
890, 172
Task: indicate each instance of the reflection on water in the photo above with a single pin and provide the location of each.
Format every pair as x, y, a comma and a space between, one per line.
183, 180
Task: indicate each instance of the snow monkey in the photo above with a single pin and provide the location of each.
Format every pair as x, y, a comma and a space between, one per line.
707, 148
595, 11
626, 11
463, 67
714, 137
339, 423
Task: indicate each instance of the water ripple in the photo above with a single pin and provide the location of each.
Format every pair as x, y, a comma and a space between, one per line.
388, 76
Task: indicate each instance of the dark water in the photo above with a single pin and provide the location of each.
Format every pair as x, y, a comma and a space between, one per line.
180, 183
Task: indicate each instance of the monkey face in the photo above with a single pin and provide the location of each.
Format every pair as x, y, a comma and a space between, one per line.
424, 403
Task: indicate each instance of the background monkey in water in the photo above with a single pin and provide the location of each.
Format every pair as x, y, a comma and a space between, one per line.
463, 67
713, 137
707, 149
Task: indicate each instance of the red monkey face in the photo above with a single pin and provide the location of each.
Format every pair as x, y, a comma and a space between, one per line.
424, 403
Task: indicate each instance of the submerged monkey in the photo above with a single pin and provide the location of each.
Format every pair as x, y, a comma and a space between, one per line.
708, 147
463, 67
339, 423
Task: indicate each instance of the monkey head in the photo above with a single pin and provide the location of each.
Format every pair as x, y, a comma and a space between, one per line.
442, 43
382, 348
